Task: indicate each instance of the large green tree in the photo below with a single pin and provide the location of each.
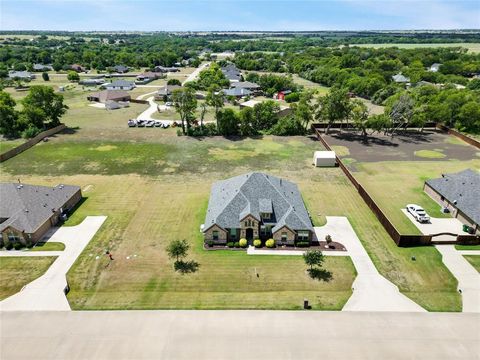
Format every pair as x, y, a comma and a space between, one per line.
333, 107
8, 115
185, 103
44, 99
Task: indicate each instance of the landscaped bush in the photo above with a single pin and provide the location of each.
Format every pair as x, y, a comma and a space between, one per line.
243, 243
293, 97
18, 246
257, 243
270, 243
230, 244
236, 244
210, 243
303, 244
1, 244
29, 244
9, 246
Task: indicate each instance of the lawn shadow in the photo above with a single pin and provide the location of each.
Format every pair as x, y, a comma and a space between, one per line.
186, 267
320, 274
69, 130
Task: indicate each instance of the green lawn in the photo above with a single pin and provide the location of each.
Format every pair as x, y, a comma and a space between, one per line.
467, 247
474, 260
472, 47
49, 246
16, 272
6, 145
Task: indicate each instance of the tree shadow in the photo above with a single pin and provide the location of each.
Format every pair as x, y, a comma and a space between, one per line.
320, 274
186, 267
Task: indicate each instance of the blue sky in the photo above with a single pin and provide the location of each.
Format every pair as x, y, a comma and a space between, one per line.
176, 15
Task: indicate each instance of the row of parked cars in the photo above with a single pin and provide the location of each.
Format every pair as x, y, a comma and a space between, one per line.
147, 123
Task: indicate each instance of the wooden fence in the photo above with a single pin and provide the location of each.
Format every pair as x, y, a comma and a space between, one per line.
403, 240
28, 144
465, 138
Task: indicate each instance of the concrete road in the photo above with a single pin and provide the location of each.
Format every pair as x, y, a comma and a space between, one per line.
196, 72
467, 276
371, 291
196, 335
46, 292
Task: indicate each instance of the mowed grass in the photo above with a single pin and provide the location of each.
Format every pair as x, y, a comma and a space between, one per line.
6, 145
472, 47
48, 246
467, 247
474, 260
16, 272
394, 184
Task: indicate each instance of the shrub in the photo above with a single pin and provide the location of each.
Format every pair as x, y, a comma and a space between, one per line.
18, 246
230, 244
303, 244
292, 97
236, 244
328, 239
179, 132
210, 243
257, 243
270, 243
1, 244
30, 132
9, 246
243, 243
45, 77
29, 244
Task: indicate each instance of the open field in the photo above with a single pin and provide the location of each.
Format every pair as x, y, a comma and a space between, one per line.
472, 47
158, 171
474, 260
321, 90
16, 272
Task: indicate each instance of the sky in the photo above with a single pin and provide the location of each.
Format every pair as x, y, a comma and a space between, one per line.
241, 15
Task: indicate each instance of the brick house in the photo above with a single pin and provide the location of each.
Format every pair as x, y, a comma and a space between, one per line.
257, 206
28, 211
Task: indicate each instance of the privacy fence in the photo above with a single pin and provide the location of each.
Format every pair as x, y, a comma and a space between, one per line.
403, 240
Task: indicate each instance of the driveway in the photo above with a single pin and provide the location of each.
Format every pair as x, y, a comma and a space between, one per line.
213, 335
467, 276
193, 76
438, 225
46, 292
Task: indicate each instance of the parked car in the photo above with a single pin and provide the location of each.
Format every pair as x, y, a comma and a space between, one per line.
418, 213
158, 123
168, 103
150, 123
132, 123
140, 123
166, 125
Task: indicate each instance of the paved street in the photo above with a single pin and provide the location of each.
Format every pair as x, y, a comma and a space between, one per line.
46, 292
196, 335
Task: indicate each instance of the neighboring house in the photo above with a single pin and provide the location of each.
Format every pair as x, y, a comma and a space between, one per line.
232, 73
24, 75
121, 69
166, 91
77, 68
400, 79
28, 211
237, 92
254, 88
41, 67
460, 193
435, 67
164, 69
119, 85
284, 110
257, 205
109, 95
281, 94
91, 82
147, 77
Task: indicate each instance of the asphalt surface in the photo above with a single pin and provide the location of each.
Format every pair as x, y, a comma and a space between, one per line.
197, 335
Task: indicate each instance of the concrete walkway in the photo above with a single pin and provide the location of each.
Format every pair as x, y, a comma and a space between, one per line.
193, 76
469, 252
371, 291
46, 292
141, 97
212, 335
467, 276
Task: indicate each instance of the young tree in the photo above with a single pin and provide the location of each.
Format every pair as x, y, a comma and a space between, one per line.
45, 76
401, 112
246, 121
359, 116
185, 104
227, 122
265, 115
333, 107
216, 99
73, 76
203, 110
177, 249
44, 99
313, 258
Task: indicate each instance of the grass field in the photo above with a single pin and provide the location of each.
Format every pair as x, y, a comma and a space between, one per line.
474, 260
16, 272
467, 247
6, 145
48, 246
156, 189
395, 184
472, 47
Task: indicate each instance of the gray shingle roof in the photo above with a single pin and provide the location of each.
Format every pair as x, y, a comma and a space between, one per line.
232, 199
463, 187
231, 72
236, 92
399, 78
27, 207
246, 85
120, 83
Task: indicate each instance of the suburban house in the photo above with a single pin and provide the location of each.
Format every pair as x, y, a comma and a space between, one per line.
257, 205
77, 68
28, 211
284, 110
41, 67
460, 194
237, 92
166, 91
120, 69
232, 73
247, 85
23, 75
147, 77
400, 79
280, 95
109, 95
119, 85
165, 69
435, 67
91, 82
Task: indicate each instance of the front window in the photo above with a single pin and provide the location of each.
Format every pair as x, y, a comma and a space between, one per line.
215, 235
284, 236
303, 236
233, 233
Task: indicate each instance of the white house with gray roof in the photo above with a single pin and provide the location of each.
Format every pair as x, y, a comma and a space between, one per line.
257, 206
28, 211
120, 85
460, 193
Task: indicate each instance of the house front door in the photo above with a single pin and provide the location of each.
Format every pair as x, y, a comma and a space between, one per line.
249, 234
